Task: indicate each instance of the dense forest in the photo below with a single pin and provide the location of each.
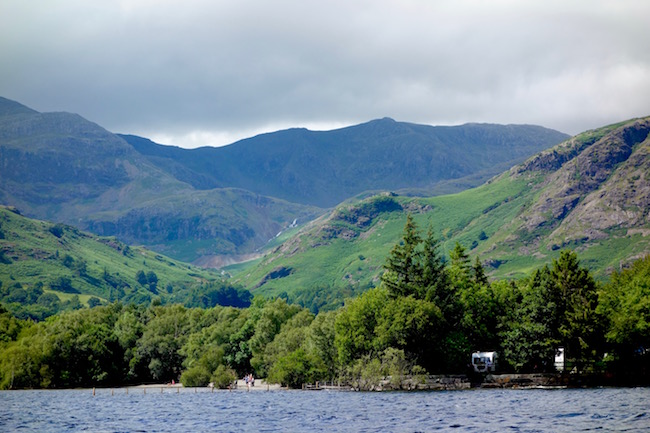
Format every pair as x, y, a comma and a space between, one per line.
426, 317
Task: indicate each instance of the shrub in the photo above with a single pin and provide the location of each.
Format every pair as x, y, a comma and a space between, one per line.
195, 376
223, 377
56, 230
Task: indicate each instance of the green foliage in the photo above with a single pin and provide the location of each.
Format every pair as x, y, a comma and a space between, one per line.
460, 269
291, 337
624, 306
376, 341
223, 377
63, 284
195, 376
415, 268
292, 369
269, 321
579, 299
375, 321
56, 230
403, 266
77, 263
141, 277
625, 301
10, 327
221, 293
157, 351
93, 302
559, 310
390, 369
200, 372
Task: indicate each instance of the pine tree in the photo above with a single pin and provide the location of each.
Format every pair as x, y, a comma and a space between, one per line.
435, 278
578, 307
459, 270
403, 266
479, 273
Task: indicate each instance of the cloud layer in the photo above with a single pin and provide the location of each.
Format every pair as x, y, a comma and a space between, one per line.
208, 72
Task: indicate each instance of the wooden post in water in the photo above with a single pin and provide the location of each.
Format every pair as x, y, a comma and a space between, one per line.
127, 391
144, 390
93, 391
161, 389
112, 391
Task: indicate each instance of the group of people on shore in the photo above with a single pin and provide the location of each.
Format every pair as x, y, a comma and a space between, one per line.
250, 380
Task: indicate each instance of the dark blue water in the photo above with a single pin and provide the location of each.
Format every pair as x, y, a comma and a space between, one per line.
605, 410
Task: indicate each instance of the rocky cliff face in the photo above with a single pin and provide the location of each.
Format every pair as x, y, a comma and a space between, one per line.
594, 183
617, 179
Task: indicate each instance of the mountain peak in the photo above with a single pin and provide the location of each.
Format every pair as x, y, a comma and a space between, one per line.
9, 107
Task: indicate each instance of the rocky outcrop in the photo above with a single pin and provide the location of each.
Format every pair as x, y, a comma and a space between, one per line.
604, 185
279, 272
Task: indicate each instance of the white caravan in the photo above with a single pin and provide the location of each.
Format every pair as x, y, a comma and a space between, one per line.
484, 362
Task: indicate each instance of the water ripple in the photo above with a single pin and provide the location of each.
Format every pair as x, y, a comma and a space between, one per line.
525, 411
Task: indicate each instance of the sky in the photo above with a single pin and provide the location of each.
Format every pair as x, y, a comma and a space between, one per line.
209, 72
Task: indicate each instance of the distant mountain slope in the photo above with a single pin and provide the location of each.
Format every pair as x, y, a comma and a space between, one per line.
590, 193
324, 168
51, 159
61, 167
215, 205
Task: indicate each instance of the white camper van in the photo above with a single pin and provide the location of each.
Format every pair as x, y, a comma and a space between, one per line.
484, 362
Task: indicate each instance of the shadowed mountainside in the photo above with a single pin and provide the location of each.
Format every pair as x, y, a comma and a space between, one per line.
211, 205
324, 168
63, 168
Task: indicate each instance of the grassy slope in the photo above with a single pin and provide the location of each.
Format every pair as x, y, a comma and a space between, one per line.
457, 217
486, 220
202, 224
32, 254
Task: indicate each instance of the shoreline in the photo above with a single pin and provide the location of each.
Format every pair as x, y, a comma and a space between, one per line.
431, 383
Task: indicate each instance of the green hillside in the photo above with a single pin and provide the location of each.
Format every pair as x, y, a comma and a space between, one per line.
46, 267
590, 193
208, 228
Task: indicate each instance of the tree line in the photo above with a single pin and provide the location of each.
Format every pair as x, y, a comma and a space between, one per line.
426, 317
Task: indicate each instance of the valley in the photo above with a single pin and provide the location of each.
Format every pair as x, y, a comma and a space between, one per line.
311, 216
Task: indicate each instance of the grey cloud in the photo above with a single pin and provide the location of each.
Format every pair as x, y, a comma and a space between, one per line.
174, 68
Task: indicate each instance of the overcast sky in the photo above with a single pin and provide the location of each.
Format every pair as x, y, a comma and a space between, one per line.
194, 73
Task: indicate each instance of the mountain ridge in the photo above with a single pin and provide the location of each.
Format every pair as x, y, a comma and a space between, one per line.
62, 167
381, 154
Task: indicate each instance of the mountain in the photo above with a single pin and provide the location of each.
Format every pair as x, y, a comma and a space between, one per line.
46, 267
213, 206
590, 193
61, 167
324, 168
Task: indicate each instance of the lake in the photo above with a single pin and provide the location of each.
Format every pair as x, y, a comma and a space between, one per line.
535, 410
